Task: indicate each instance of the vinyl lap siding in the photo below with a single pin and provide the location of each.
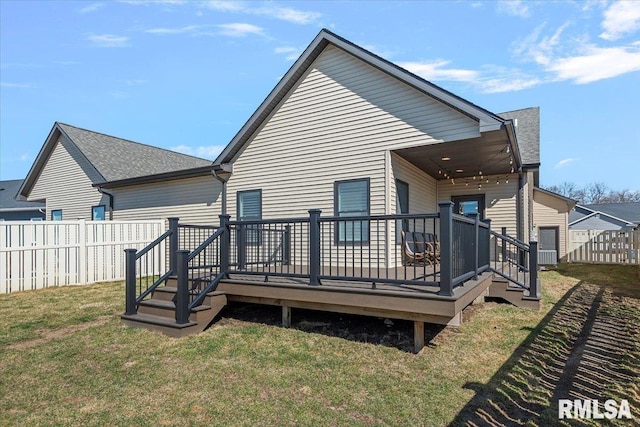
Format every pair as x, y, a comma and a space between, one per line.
546, 216
500, 199
193, 200
422, 187
65, 182
338, 124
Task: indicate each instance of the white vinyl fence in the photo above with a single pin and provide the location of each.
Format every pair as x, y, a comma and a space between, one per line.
604, 247
42, 254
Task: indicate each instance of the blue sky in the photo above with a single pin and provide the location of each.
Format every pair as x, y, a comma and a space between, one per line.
187, 75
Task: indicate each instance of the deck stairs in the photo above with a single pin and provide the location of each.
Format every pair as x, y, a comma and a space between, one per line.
158, 313
505, 289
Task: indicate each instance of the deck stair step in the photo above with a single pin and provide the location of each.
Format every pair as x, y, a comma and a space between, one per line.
158, 313
502, 288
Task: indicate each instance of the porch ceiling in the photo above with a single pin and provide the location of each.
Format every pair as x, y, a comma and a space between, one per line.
488, 154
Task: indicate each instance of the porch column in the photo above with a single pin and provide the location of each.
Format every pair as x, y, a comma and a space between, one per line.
446, 248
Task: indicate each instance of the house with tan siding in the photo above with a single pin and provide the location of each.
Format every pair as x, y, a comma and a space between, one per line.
551, 224
346, 131
82, 174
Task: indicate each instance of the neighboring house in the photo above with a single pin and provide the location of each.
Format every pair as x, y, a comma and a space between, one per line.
551, 224
606, 216
350, 133
81, 174
12, 209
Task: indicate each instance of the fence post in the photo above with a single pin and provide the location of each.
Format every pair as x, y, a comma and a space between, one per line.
83, 248
314, 246
225, 244
182, 294
286, 245
534, 292
173, 243
476, 244
446, 248
130, 281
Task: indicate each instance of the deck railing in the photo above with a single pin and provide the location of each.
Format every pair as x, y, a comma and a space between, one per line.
146, 268
356, 248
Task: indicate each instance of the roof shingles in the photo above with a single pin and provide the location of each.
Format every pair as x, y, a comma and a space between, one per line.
117, 159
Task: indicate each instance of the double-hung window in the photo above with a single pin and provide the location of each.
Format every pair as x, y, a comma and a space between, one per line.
351, 199
250, 209
98, 213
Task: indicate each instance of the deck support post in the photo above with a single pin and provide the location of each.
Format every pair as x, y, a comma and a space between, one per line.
418, 336
446, 248
225, 244
314, 246
182, 294
534, 292
286, 316
173, 243
130, 281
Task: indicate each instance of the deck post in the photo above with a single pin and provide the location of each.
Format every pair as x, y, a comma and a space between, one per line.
446, 248
286, 316
314, 246
225, 244
504, 244
182, 294
241, 244
173, 243
534, 292
130, 281
286, 245
488, 241
418, 336
476, 244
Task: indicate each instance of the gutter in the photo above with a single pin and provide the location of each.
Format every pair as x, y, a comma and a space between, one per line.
217, 171
110, 195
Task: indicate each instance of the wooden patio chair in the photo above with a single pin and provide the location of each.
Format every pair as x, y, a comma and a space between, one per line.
432, 247
412, 249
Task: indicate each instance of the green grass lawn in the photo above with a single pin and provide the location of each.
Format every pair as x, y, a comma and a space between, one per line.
65, 359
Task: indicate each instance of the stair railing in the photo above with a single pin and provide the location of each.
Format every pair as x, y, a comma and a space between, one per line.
199, 272
515, 261
146, 268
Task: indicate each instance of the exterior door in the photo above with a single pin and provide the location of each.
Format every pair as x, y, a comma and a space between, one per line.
548, 245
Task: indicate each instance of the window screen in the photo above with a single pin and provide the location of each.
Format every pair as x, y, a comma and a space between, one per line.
352, 199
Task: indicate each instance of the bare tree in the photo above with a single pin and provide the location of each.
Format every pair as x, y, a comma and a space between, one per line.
595, 193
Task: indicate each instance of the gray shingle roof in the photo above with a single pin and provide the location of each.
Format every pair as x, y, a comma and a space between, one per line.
116, 158
9, 190
626, 211
527, 133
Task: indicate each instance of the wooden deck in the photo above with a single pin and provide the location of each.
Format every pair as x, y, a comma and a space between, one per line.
410, 302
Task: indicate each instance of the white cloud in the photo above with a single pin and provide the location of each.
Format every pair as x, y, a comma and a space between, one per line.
239, 29
180, 30
564, 162
514, 8
135, 82
108, 40
596, 64
291, 53
271, 10
206, 152
92, 7
25, 157
434, 70
620, 19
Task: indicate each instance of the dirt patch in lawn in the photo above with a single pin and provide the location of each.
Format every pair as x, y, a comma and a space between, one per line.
50, 335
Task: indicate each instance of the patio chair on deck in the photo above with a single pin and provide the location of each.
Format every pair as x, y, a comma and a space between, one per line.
432, 247
412, 250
